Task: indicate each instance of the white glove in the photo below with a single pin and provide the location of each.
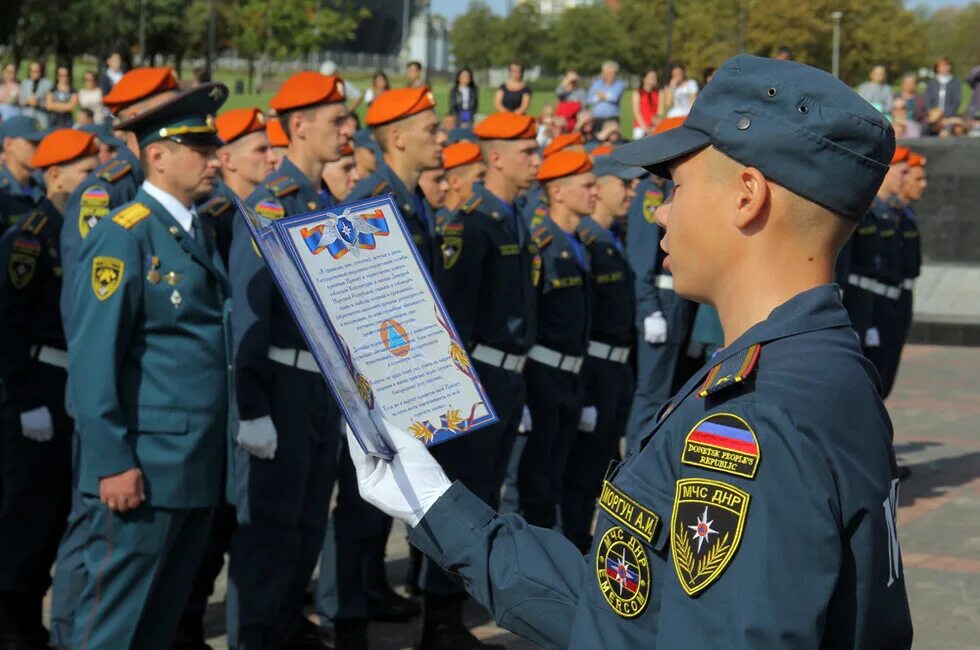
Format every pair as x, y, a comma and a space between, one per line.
586, 421
258, 437
404, 488
36, 424
872, 338
525, 424
655, 328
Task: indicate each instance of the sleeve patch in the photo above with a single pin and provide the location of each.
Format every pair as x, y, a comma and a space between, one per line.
21, 269
723, 442
270, 209
706, 528
107, 275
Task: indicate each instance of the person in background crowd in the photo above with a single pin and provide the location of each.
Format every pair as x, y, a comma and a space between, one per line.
876, 90
973, 81
379, 84
33, 91
464, 97
9, 90
605, 94
354, 95
90, 97
909, 107
278, 141
61, 100
113, 72
646, 105
585, 124
610, 133
85, 117
201, 76
413, 71
569, 90
709, 72
784, 53
464, 166
37, 431
513, 95
943, 94
680, 92
340, 176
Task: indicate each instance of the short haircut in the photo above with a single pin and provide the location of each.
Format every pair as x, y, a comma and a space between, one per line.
414, 64
610, 64
943, 59
284, 119
87, 111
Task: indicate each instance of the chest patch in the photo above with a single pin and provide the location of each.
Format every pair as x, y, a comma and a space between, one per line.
706, 528
270, 209
629, 512
623, 572
725, 443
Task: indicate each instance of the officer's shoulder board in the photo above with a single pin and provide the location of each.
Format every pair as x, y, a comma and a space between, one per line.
216, 206
470, 205
282, 186
381, 188
586, 236
34, 222
131, 215
731, 371
114, 170
541, 236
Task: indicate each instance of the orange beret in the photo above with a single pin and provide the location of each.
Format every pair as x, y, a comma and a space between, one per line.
563, 141
916, 160
459, 154
901, 155
506, 126
307, 89
139, 84
669, 123
601, 150
277, 136
239, 122
399, 103
564, 163
63, 146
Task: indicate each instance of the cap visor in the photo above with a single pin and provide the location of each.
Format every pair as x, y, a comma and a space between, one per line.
199, 139
655, 152
628, 173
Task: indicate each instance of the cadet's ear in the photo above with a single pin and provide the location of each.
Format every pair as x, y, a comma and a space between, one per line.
753, 197
224, 158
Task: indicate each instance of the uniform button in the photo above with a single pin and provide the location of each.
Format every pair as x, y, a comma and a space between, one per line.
743, 123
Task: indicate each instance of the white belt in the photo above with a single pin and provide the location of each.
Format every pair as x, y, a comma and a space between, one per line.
875, 287
51, 356
664, 281
302, 359
549, 357
608, 352
908, 284
498, 358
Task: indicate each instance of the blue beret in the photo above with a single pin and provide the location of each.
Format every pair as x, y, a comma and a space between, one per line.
461, 134
104, 133
21, 126
800, 126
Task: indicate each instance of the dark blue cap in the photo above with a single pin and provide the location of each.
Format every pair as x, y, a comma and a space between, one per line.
364, 139
606, 166
461, 134
187, 118
800, 126
104, 133
21, 126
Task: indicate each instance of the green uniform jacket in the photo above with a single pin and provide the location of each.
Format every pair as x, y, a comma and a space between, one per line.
149, 356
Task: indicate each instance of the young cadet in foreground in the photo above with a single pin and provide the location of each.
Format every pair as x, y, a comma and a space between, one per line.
35, 464
148, 360
760, 511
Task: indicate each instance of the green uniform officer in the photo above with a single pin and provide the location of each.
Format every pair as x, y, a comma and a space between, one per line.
149, 378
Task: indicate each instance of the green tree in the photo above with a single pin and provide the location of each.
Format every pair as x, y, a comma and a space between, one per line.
952, 32
521, 36
471, 35
581, 39
641, 34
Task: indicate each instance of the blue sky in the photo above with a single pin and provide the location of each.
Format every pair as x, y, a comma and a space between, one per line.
452, 8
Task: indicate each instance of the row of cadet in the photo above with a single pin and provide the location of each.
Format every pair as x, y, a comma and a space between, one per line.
161, 407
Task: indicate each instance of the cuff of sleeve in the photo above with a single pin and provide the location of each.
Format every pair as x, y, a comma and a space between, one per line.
456, 519
107, 457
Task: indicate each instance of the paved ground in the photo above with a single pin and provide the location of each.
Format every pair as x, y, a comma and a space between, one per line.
936, 411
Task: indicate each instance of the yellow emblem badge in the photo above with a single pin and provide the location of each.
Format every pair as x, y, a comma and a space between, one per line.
107, 274
623, 572
21, 269
706, 527
652, 200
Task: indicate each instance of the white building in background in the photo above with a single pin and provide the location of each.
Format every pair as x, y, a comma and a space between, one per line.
552, 7
427, 40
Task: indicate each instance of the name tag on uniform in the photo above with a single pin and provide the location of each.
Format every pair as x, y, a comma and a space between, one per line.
565, 283
510, 249
628, 511
606, 278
